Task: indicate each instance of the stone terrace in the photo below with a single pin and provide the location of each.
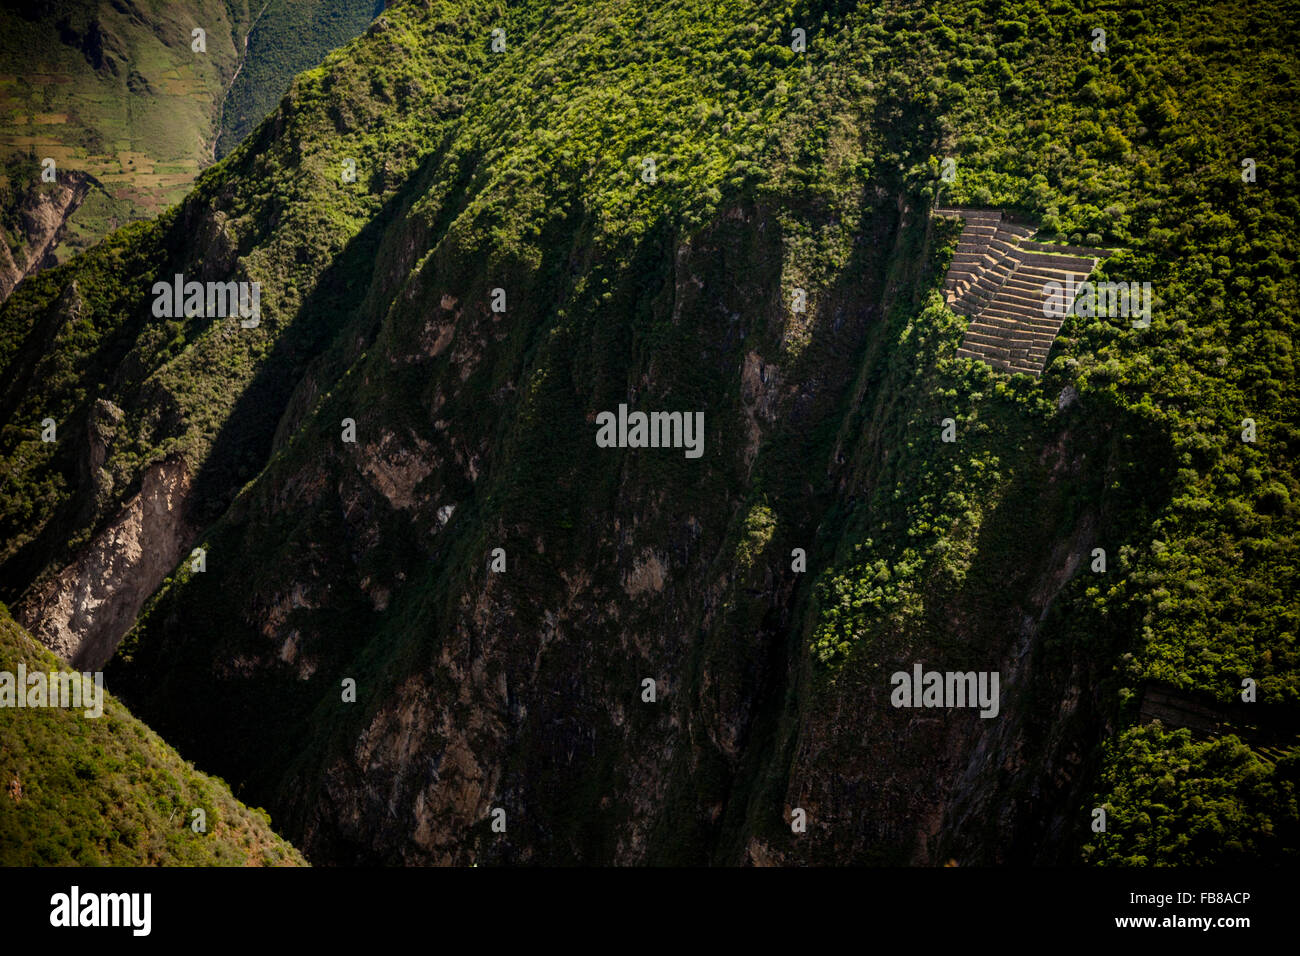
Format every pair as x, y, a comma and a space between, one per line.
996, 279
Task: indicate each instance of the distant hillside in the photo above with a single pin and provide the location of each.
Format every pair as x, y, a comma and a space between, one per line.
290, 36
107, 791
117, 93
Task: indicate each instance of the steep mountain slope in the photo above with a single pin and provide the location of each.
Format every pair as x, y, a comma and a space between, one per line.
507, 266
121, 98
37, 217
287, 37
106, 791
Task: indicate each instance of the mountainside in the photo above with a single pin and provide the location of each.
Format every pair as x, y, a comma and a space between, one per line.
683, 208
37, 215
126, 99
106, 791
287, 37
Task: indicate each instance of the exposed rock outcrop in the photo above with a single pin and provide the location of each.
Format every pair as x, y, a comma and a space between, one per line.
42, 219
85, 610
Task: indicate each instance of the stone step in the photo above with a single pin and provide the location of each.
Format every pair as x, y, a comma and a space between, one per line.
999, 272
988, 340
970, 215
1003, 325
991, 351
995, 270
997, 279
1016, 288
1024, 287
1042, 275
982, 336
985, 290
996, 317
979, 271
1059, 263
1086, 252
1033, 370
1017, 298
1014, 326
973, 306
977, 301
1014, 299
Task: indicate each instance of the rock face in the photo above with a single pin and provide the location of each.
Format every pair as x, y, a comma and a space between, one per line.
82, 613
42, 217
523, 689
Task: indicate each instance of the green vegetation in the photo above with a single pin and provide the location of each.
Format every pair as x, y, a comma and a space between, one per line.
773, 171
759, 527
1210, 583
17, 174
106, 791
1175, 801
289, 36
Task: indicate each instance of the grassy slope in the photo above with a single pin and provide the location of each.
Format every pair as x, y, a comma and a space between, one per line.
1138, 148
107, 791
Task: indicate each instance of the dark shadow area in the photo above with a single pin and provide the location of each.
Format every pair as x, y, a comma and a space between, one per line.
1022, 544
